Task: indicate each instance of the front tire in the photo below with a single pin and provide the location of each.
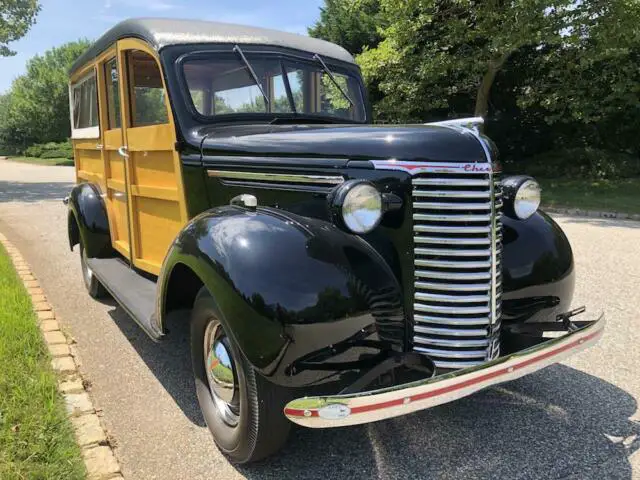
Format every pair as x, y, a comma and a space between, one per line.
243, 411
93, 285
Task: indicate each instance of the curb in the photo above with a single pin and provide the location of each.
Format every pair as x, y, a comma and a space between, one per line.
94, 442
592, 213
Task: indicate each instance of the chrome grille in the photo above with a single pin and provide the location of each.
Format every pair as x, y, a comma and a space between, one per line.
457, 246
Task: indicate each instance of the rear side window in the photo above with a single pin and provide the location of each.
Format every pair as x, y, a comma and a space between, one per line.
84, 103
147, 92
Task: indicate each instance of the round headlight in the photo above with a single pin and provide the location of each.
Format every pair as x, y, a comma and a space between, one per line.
527, 199
362, 208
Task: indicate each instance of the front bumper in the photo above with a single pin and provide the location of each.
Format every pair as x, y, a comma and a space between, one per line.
365, 407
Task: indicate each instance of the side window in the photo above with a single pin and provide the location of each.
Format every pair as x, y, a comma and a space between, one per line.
147, 93
84, 103
113, 93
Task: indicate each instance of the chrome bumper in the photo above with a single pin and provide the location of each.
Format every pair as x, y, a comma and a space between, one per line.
365, 407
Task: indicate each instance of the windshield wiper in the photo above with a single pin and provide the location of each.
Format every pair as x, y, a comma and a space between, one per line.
253, 74
333, 79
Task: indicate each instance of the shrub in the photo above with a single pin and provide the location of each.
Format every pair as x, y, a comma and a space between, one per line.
50, 150
34, 150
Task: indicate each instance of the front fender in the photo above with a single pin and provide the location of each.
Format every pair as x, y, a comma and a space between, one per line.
289, 287
87, 207
537, 270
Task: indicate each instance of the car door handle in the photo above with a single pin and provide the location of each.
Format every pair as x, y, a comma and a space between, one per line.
123, 151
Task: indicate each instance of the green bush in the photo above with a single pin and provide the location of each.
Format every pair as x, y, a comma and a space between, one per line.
585, 163
33, 151
50, 150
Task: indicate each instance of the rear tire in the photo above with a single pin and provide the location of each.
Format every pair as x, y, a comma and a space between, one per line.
246, 419
93, 285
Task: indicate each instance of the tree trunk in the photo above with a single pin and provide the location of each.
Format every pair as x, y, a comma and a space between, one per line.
482, 97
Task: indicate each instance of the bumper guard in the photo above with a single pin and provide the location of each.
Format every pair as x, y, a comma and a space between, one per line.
371, 406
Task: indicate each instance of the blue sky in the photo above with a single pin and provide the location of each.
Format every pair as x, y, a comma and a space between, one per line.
62, 21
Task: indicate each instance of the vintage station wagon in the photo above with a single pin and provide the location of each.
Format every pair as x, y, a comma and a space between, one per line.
337, 272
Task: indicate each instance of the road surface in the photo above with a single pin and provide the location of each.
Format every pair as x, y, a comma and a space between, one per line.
576, 420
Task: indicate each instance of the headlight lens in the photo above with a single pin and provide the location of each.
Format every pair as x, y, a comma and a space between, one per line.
362, 208
527, 199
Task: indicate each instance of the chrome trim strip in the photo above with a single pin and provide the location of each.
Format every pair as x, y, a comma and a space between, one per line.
415, 168
374, 405
452, 321
277, 177
452, 241
434, 274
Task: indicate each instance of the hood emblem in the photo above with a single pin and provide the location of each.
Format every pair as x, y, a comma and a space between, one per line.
415, 168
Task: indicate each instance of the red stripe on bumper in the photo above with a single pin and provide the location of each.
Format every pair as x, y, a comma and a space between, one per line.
456, 386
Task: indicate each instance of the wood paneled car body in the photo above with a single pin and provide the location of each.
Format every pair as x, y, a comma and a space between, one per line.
337, 272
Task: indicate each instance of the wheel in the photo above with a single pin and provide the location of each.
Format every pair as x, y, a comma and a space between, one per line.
94, 287
243, 411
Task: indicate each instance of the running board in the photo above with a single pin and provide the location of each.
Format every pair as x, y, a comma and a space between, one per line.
135, 294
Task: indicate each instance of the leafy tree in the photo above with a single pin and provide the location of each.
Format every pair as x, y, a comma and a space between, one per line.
16, 17
37, 108
443, 56
352, 24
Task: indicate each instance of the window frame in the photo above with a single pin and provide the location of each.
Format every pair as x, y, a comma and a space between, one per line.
86, 132
335, 65
131, 89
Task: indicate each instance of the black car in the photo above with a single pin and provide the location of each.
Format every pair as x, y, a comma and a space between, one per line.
337, 272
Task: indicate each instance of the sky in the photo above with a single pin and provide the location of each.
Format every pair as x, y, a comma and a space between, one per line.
61, 21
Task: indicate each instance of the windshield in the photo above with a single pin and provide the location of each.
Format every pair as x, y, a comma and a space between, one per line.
224, 84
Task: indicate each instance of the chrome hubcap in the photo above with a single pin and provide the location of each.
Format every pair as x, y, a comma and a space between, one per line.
221, 373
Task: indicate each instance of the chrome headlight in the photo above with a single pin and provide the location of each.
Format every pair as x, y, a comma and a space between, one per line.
357, 205
521, 196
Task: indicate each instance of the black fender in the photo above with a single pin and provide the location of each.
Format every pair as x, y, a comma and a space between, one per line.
88, 213
537, 270
291, 289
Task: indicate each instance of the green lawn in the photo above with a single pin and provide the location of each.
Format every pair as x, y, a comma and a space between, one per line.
36, 438
602, 195
43, 161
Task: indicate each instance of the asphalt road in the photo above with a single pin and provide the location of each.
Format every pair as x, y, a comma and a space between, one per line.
576, 420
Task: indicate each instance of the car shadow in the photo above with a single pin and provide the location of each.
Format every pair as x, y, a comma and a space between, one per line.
556, 423
33, 192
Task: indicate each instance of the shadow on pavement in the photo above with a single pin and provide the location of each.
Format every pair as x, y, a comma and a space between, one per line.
33, 192
556, 423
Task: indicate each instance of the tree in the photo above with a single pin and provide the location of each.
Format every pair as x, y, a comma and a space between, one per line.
353, 24
443, 56
16, 17
37, 108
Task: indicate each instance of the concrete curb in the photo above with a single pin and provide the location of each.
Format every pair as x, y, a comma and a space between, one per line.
97, 451
592, 213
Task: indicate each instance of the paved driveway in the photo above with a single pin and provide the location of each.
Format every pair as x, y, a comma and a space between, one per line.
577, 420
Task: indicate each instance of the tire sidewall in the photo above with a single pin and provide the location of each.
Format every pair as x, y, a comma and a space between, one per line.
238, 441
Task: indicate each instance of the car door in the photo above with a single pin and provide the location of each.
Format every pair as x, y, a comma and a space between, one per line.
157, 208
116, 196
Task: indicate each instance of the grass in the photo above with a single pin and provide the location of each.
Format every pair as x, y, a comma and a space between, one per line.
43, 161
36, 438
603, 195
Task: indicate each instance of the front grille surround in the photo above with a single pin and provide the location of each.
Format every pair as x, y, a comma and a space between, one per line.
457, 254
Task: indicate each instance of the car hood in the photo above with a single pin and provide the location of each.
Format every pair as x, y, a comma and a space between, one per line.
353, 142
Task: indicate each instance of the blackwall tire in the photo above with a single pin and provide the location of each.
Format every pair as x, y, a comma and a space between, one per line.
259, 427
93, 285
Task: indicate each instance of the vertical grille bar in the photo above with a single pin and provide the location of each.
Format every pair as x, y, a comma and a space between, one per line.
457, 289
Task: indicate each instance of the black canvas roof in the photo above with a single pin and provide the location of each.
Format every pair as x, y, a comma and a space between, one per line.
161, 32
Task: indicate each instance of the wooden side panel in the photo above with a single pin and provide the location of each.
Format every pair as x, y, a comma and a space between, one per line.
88, 159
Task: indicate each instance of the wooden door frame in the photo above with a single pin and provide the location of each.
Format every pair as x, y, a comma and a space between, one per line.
126, 94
